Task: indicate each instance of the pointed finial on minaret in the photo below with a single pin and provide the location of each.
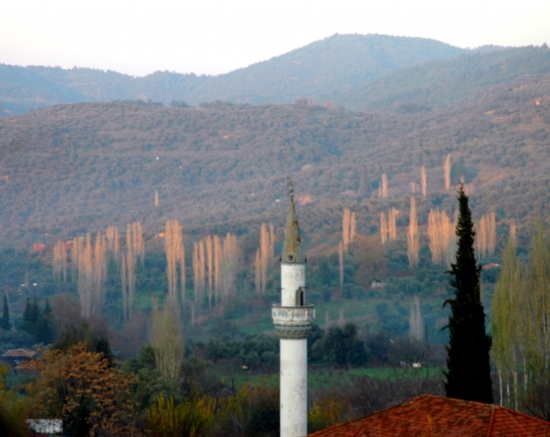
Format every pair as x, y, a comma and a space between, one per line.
292, 248
290, 186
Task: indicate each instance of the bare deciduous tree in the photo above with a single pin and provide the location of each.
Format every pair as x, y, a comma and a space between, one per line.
60, 261
416, 327
198, 272
423, 181
229, 264
348, 228
173, 247
447, 172
209, 249
383, 188
383, 228
263, 256
392, 223
167, 340
92, 273
413, 244
442, 237
486, 235
341, 262
113, 242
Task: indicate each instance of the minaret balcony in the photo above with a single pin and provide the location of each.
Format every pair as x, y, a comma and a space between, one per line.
292, 315
293, 322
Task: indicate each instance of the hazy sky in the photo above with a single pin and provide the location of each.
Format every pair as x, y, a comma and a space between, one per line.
216, 36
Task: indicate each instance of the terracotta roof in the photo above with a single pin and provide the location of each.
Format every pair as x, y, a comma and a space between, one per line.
19, 353
434, 416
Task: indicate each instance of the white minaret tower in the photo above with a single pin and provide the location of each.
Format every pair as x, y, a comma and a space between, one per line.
292, 319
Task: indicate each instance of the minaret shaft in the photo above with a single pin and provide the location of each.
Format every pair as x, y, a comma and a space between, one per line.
293, 382
292, 319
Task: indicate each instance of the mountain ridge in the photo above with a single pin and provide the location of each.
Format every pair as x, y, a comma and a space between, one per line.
314, 70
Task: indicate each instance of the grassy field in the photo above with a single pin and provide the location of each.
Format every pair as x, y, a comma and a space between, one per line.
326, 377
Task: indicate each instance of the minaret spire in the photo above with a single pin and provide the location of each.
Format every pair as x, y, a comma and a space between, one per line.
292, 248
292, 319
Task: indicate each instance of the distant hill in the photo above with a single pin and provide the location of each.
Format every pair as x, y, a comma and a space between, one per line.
340, 62
318, 70
440, 82
72, 168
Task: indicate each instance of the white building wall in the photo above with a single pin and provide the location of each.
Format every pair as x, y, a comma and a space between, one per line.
293, 276
293, 382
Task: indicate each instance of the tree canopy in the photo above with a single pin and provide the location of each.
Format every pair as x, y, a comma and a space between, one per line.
468, 371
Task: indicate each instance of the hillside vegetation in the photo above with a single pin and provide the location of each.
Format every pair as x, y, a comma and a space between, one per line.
340, 62
71, 168
441, 82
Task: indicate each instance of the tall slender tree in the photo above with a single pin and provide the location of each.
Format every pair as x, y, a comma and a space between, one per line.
383, 188
392, 226
60, 261
167, 340
468, 371
447, 172
507, 323
413, 240
5, 321
348, 227
416, 331
341, 262
423, 181
383, 228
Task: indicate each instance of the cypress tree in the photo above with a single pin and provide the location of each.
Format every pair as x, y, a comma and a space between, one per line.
5, 325
47, 308
45, 326
35, 311
468, 371
27, 312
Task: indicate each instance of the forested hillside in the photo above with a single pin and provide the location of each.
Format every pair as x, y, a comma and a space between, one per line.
318, 70
439, 82
113, 210
337, 63
68, 169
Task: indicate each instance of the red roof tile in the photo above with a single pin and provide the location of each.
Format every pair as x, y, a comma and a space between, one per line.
19, 353
434, 416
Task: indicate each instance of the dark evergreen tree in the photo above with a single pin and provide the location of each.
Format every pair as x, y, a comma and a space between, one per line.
45, 327
31, 316
5, 323
468, 369
27, 311
47, 308
35, 311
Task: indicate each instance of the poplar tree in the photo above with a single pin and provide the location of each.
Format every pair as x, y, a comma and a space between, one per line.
413, 240
167, 340
5, 323
507, 323
468, 371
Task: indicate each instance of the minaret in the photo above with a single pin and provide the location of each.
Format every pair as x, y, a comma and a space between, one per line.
292, 319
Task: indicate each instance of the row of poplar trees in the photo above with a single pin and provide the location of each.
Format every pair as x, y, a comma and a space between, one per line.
521, 318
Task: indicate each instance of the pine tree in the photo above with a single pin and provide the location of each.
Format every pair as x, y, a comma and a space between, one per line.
35, 311
27, 311
5, 323
468, 371
45, 326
